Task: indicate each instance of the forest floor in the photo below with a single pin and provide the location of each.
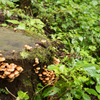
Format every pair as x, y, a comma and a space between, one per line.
60, 53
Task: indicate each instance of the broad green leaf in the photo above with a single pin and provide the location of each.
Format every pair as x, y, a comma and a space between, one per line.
91, 91
23, 95
13, 21
77, 93
50, 91
21, 26
86, 97
97, 88
54, 67
90, 68
93, 48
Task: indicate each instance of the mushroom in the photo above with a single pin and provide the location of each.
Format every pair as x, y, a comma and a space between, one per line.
40, 75
11, 76
13, 65
10, 80
34, 64
7, 73
43, 41
44, 66
16, 73
2, 59
27, 47
40, 78
37, 68
19, 68
56, 61
0, 54
36, 60
36, 71
47, 78
44, 73
13, 51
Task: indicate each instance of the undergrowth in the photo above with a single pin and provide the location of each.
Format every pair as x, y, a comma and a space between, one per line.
76, 24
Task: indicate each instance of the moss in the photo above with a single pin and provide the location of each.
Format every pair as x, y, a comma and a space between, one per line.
32, 34
43, 54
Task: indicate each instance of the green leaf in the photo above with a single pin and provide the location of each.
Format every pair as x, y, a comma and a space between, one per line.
54, 67
50, 91
91, 91
18, 98
90, 68
24, 54
97, 88
23, 95
21, 26
13, 21
86, 97
37, 97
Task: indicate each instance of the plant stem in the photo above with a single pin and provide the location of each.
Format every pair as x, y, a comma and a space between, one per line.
10, 93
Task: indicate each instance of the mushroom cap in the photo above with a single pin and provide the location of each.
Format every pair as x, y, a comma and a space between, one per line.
16, 73
44, 73
37, 68
40, 78
0, 54
11, 76
34, 64
36, 60
2, 76
27, 47
7, 73
40, 74
4, 65
47, 78
2, 59
10, 69
12, 65
36, 71
19, 69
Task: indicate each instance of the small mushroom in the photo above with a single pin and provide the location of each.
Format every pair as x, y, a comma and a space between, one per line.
44, 66
6, 73
56, 61
2, 69
36, 60
43, 41
13, 65
27, 47
34, 65
47, 78
37, 68
11, 76
36, 71
40, 78
0, 54
2, 59
13, 51
10, 80
20, 69
44, 73
16, 73
40, 75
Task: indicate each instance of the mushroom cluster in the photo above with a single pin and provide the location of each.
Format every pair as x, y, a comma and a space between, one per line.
9, 71
27, 47
56, 60
47, 77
